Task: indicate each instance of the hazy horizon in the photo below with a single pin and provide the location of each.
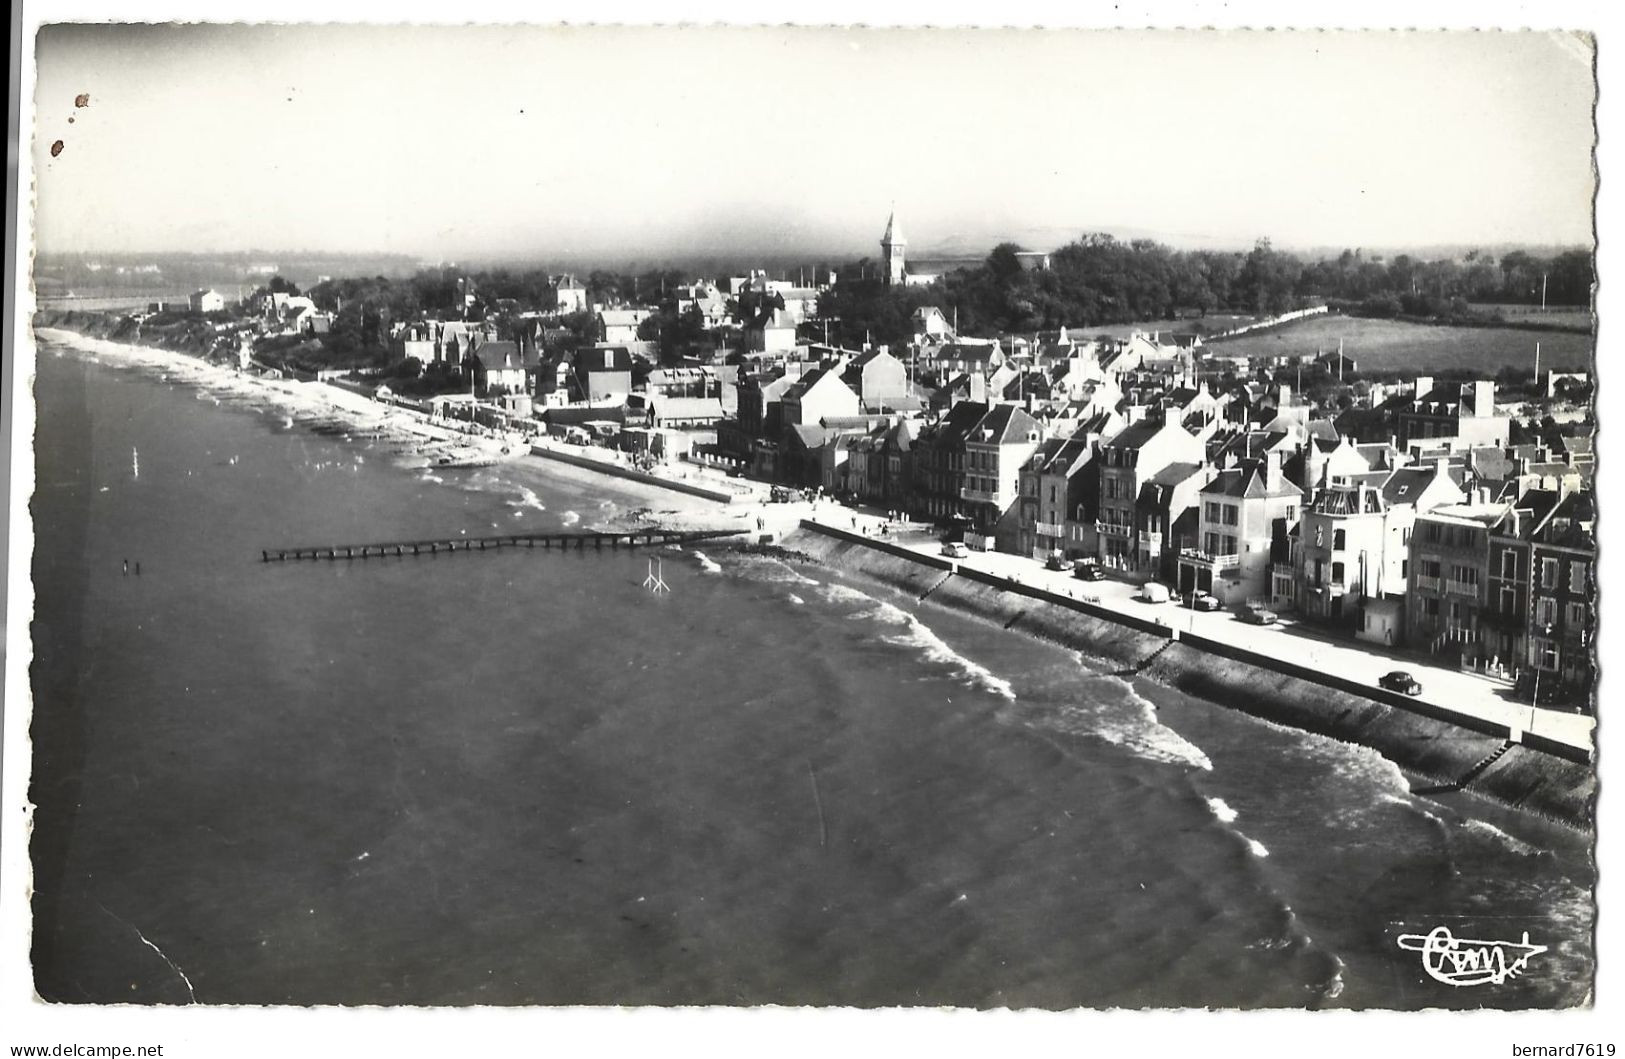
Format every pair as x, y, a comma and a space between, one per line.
605, 144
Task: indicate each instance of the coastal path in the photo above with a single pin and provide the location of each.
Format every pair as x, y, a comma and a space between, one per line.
1444, 687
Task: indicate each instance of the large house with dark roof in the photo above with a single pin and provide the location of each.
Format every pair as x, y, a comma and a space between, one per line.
995, 450
1354, 546
1128, 460
1247, 512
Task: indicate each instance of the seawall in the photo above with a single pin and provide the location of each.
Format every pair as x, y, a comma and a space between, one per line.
615, 470
1446, 752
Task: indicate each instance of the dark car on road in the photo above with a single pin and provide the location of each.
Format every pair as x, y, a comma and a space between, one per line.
1088, 570
1202, 601
1400, 681
1257, 615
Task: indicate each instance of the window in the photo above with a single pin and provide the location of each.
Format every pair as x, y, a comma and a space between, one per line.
1428, 567
1210, 543
1292, 512
1405, 568
1052, 494
1337, 573
1577, 577
1509, 563
1231, 513
1545, 611
1430, 607
1212, 512
1228, 545
1320, 536
1576, 618
1548, 573
1111, 489
1405, 536
1546, 656
1339, 540
1320, 574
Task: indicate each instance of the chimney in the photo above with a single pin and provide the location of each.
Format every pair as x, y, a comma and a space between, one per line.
1424, 384
978, 387
1272, 470
1283, 395
1483, 397
1441, 465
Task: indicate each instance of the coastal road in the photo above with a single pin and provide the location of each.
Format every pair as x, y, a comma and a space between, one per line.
1447, 688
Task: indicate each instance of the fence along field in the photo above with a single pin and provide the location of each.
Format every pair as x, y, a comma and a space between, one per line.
1389, 345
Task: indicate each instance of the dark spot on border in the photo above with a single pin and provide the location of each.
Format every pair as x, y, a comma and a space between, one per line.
82, 99
56, 148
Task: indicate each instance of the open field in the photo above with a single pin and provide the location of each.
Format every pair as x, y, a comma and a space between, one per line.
1389, 345
1557, 316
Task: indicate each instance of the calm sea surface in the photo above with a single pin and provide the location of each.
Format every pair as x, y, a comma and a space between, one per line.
516, 778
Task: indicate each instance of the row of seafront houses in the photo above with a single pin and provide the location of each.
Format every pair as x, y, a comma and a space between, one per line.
1429, 532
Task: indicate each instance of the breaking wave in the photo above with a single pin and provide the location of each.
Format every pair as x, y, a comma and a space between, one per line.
910, 632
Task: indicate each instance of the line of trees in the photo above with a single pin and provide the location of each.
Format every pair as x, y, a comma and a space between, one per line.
1098, 279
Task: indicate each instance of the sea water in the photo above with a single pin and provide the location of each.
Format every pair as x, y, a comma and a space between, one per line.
518, 778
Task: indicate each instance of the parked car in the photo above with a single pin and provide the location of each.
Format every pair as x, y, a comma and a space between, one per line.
779, 495
1400, 681
1203, 601
1151, 592
1088, 570
1254, 615
955, 549
1055, 561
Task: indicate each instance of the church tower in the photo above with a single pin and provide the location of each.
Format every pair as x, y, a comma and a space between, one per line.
892, 247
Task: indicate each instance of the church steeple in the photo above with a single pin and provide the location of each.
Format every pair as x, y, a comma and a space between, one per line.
892, 248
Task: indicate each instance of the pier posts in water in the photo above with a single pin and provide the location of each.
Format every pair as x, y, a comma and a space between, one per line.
631, 538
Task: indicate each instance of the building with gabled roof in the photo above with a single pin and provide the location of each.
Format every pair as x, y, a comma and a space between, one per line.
818, 395
1248, 509
1355, 545
620, 326
1129, 459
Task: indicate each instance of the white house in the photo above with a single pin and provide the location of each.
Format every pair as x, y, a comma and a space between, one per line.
206, 301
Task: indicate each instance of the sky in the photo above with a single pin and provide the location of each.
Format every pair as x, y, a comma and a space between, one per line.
475, 142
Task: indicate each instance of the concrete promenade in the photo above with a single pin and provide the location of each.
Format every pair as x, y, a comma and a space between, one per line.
1442, 687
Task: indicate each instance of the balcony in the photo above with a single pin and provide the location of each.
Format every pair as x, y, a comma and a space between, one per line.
978, 496
1050, 529
1209, 559
1461, 588
1115, 530
1427, 584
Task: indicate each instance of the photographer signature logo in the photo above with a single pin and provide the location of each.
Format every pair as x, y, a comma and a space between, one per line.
1464, 961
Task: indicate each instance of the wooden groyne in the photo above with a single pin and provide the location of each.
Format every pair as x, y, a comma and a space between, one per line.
595, 539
